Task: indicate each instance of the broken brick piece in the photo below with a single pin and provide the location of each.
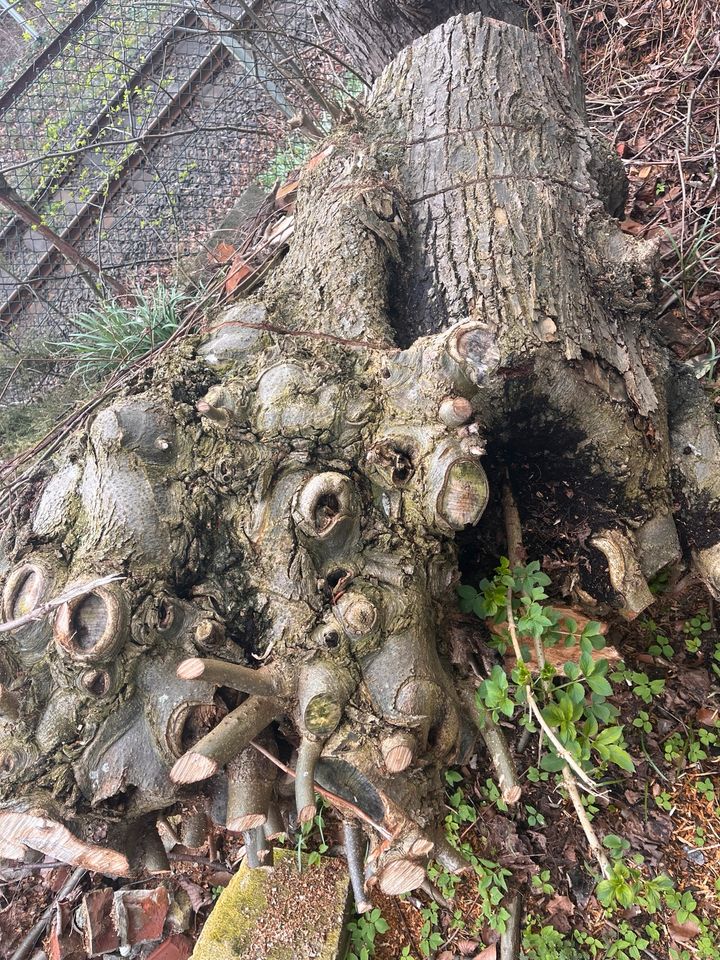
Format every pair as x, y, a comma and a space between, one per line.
140, 914
176, 947
63, 942
99, 931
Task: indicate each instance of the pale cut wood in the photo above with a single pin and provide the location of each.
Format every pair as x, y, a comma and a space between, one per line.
398, 751
259, 682
226, 740
38, 832
401, 876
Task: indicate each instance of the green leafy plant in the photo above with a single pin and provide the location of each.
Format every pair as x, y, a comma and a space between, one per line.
304, 834
706, 789
363, 932
694, 628
616, 846
575, 704
540, 883
534, 817
112, 336
642, 721
642, 686
288, 157
660, 645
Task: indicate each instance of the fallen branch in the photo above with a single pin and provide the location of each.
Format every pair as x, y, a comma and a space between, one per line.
592, 837
497, 746
27, 944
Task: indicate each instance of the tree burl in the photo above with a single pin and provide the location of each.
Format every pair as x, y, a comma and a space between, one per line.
281, 508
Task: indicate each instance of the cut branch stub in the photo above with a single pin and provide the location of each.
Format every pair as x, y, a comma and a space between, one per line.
309, 753
400, 876
398, 750
458, 489
359, 617
93, 627
454, 411
326, 511
26, 588
250, 788
263, 682
323, 690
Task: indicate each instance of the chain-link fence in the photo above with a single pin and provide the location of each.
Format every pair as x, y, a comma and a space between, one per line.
131, 129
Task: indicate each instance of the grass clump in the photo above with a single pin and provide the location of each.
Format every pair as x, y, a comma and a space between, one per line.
111, 336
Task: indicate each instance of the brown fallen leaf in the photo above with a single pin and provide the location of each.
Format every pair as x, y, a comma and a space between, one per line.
708, 716
489, 953
682, 932
223, 252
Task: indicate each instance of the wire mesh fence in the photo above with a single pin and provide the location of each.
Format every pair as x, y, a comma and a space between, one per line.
131, 129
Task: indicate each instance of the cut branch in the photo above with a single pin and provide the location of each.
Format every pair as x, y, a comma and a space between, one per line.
226, 740
261, 682
340, 802
355, 846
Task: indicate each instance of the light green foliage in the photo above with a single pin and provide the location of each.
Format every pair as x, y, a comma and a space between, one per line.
534, 817
110, 337
574, 701
492, 792
305, 835
490, 878
706, 789
693, 746
363, 932
694, 628
617, 846
540, 883
664, 800
642, 686
288, 157
642, 721
660, 645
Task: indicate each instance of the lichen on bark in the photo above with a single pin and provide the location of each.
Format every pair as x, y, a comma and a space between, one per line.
282, 507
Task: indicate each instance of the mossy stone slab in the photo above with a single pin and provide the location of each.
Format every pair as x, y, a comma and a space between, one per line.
279, 914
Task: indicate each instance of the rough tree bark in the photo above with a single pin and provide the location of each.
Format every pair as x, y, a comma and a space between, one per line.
283, 509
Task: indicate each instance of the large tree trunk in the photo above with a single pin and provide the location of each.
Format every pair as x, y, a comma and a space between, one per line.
375, 31
283, 508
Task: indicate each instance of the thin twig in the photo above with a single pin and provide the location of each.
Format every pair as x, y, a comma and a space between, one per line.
588, 830
39, 612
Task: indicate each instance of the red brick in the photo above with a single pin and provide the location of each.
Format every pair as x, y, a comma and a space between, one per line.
176, 947
141, 914
64, 943
99, 930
